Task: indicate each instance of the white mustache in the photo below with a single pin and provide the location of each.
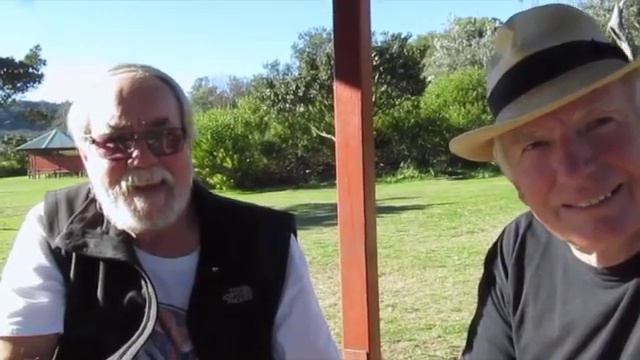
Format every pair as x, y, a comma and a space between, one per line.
141, 177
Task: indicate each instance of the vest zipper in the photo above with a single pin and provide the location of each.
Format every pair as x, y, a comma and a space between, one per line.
129, 350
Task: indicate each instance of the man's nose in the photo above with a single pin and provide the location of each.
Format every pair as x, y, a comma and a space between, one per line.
575, 158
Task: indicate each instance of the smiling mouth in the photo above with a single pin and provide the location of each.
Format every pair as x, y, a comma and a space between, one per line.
595, 201
148, 186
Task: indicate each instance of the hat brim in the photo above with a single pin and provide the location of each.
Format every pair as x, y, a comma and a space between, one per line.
477, 144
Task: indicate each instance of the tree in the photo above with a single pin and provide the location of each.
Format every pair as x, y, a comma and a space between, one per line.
306, 83
396, 70
8, 145
466, 42
410, 137
20, 76
226, 152
629, 23
460, 99
424, 43
455, 103
302, 88
203, 94
206, 95
236, 88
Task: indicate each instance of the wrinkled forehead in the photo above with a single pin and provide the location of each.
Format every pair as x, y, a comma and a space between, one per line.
615, 99
133, 102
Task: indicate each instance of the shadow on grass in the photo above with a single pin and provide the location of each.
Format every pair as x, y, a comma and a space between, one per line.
325, 214
270, 189
394, 198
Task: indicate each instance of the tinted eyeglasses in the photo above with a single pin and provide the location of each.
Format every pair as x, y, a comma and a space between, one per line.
120, 145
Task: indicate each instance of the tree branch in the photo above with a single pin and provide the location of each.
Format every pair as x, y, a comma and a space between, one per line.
617, 30
321, 133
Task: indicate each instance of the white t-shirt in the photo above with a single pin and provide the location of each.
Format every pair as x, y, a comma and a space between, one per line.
173, 289
32, 296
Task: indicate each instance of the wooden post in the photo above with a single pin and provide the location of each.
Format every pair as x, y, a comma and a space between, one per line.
356, 179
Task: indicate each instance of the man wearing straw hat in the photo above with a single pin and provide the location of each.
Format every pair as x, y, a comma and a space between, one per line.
561, 281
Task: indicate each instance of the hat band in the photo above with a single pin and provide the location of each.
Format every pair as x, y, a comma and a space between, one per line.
545, 65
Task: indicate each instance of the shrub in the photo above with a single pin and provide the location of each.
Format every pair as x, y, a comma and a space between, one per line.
460, 99
410, 136
226, 152
11, 168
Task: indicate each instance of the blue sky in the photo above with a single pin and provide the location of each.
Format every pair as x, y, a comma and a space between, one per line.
189, 39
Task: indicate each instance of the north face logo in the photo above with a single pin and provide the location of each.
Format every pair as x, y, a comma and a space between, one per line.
239, 294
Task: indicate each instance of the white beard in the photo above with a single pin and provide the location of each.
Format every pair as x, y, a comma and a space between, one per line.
136, 214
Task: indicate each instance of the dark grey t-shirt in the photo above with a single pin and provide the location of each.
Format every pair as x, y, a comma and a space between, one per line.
536, 300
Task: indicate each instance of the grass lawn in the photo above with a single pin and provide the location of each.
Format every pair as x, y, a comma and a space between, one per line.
432, 237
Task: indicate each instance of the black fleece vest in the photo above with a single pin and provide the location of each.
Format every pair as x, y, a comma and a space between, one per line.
111, 306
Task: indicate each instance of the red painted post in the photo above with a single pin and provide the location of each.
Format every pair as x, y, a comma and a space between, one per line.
356, 179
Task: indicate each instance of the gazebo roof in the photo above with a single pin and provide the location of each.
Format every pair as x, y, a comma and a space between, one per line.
51, 140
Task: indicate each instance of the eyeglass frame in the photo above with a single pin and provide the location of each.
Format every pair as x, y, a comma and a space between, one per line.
127, 147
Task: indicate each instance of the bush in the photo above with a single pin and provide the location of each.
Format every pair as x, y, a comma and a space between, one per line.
8, 152
460, 99
11, 168
252, 146
409, 136
416, 133
406, 172
227, 151
298, 154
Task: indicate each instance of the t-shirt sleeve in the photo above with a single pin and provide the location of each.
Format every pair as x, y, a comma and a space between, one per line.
31, 288
490, 332
300, 330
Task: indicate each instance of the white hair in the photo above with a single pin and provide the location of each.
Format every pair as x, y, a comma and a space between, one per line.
96, 102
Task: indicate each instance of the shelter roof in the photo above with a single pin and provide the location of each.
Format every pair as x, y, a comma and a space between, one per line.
52, 140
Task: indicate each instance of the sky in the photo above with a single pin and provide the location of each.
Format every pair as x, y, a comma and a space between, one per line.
191, 39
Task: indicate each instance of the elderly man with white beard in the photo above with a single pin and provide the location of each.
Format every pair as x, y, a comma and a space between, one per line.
143, 262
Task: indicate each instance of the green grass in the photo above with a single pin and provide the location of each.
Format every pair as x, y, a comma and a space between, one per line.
432, 237
17, 196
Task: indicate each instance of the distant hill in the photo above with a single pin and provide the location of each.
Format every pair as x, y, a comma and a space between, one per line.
32, 118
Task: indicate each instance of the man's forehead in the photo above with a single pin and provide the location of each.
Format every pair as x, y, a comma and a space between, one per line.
523, 133
597, 103
118, 123
123, 88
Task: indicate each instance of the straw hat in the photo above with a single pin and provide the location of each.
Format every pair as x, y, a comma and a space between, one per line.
544, 58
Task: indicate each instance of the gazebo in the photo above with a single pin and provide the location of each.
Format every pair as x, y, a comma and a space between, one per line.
52, 154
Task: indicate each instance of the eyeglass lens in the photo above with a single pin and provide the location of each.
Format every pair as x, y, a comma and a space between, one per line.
161, 142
